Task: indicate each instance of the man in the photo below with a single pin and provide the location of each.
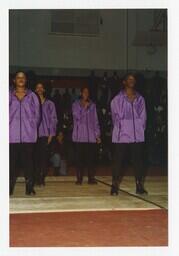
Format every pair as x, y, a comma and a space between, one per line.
47, 129
24, 118
129, 121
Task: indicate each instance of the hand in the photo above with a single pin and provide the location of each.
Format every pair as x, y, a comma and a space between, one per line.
86, 104
49, 140
98, 140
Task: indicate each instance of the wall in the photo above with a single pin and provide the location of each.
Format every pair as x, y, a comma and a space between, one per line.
32, 46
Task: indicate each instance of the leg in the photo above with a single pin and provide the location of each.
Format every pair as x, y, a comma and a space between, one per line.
91, 151
37, 162
80, 162
119, 153
13, 158
27, 151
43, 159
138, 163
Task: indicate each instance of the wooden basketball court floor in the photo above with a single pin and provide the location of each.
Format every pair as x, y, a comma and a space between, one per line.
61, 194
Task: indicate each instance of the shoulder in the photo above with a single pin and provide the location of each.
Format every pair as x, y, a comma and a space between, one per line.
32, 94
118, 97
92, 104
140, 97
76, 104
50, 103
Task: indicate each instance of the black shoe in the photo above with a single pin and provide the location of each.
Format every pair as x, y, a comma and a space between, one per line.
30, 189
114, 190
140, 189
92, 182
11, 187
78, 182
42, 181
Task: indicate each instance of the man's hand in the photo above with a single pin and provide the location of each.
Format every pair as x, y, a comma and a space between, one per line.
49, 139
98, 140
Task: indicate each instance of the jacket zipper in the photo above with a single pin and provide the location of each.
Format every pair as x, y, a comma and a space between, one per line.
20, 125
87, 125
133, 120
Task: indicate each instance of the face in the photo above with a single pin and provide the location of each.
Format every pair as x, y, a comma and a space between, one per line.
39, 89
130, 81
85, 94
20, 80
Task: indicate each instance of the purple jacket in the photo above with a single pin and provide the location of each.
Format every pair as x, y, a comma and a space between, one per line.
85, 123
49, 119
129, 119
24, 117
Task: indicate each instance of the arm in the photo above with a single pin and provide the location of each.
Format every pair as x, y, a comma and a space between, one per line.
96, 125
53, 119
37, 109
76, 112
142, 113
114, 113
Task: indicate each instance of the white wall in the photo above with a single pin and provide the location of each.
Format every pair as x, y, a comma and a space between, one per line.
32, 46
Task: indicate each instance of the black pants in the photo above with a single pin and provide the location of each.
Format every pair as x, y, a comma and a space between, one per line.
21, 155
85, 158
41, 158
123, 150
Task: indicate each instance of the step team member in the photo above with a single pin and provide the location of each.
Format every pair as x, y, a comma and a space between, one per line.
85, 135
129, 122
24, 118
47, 129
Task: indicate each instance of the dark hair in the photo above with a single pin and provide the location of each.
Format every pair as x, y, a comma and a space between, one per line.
127, 76
85, 87
42, 83
19, 71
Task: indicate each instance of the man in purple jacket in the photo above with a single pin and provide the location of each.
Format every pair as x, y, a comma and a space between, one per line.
129, 122
47, 129
24, 117
86, 133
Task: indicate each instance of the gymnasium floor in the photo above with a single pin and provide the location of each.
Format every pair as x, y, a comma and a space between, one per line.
63, 214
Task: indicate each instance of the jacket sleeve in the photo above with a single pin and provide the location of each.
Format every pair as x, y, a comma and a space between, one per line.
114, 113
37, 109
53, 120
97, 127
143, 114
77, 113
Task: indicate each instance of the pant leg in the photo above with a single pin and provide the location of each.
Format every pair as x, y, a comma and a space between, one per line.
80, 160
41, 158
120, 150
27, 152
91, 155
13, 159
137, 158
37, 168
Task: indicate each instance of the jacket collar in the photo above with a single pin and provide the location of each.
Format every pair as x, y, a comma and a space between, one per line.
123, 93
90, 103
28, 91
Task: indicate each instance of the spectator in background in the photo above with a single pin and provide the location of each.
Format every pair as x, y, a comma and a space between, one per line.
114, 84
74, 96
129, 122
57, 99
86, 133
57, 153
47, 130
104, 87
24, 118
66, 100
93, 86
